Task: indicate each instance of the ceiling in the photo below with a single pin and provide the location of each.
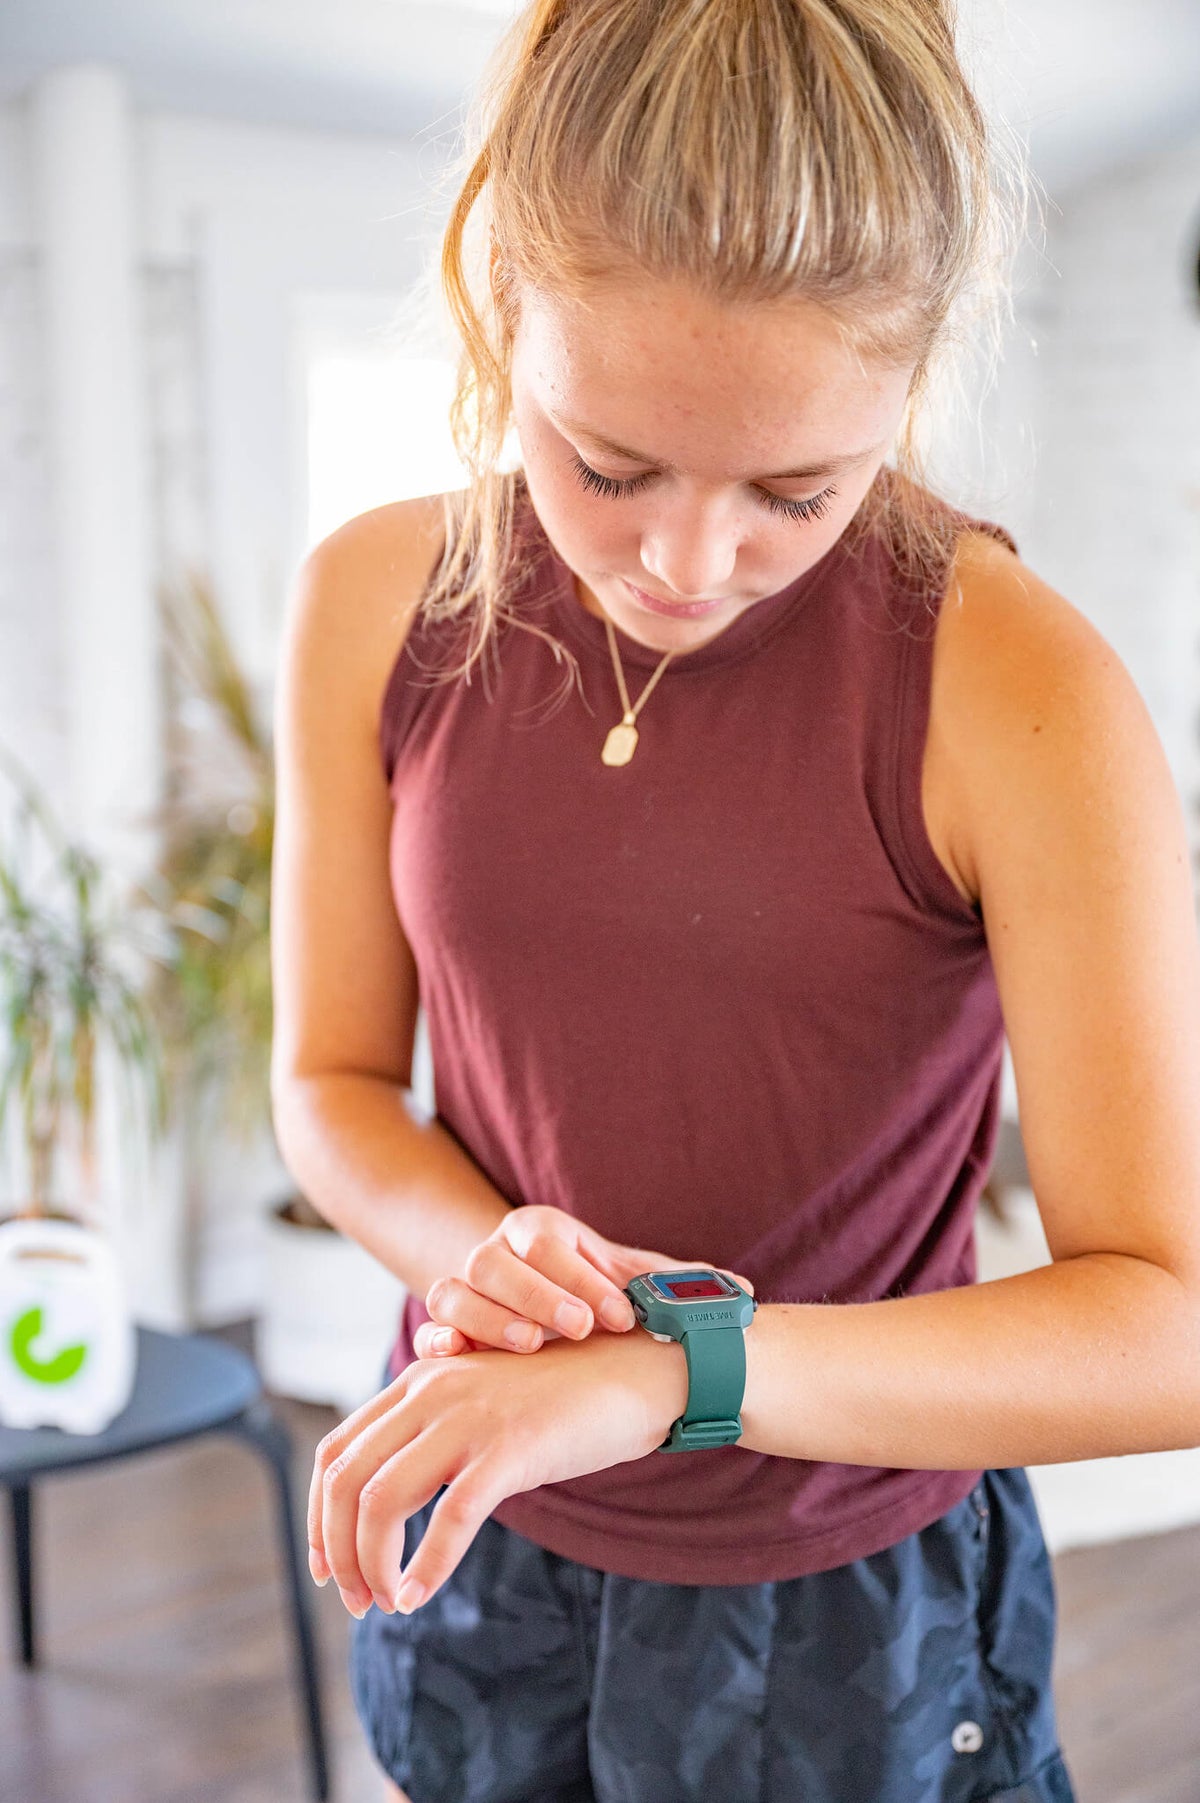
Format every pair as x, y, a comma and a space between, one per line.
1090, 83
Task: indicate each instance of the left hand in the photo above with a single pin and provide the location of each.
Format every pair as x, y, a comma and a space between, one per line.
537, 1259
487, 1426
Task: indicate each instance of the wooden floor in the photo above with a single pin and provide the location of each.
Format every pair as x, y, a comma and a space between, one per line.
166, 1670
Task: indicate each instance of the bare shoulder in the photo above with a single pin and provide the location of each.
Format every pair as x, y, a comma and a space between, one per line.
362, 584
343, 976
1011, 657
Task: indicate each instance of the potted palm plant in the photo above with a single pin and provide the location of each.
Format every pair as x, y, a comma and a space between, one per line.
72, 959
326, 1305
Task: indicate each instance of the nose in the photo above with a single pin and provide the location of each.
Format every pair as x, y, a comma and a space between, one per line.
690, 551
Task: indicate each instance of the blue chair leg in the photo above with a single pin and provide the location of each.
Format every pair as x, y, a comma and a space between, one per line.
20, 1498
270, 1438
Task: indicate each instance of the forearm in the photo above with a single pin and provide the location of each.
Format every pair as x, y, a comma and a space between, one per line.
401, 1186
1086, 1358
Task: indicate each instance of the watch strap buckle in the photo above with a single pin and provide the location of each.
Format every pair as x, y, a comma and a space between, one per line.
695, 1436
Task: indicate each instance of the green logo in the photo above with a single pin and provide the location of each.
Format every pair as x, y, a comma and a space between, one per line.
56, 1370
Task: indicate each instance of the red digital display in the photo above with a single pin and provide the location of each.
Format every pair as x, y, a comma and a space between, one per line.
687, 1289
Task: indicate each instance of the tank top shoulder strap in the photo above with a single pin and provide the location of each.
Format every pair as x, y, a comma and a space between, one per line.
432, 650
925, 876
421, 650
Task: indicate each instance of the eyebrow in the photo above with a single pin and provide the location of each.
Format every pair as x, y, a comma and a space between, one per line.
829, 466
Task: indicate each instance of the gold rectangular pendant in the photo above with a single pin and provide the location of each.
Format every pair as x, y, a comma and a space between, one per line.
620, 744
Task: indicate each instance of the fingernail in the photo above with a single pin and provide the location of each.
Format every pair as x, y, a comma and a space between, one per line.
383, 1602
318, 1570
357, 1609
522, 1335
410, 1596
570, 1317
443, 1340
616, 1314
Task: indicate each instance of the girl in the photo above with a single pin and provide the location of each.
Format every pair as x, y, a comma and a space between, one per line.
718, 942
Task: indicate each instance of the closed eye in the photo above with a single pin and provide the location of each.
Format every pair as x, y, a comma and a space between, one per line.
813, 507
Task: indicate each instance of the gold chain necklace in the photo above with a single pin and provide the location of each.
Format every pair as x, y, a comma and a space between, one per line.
622, 739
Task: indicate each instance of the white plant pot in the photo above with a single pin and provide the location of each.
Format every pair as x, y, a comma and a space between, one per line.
68, 1344
329, 1313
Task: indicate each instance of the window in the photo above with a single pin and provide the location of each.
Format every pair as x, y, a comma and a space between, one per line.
373, 420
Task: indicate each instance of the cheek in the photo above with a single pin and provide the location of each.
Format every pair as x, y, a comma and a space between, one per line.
587, 530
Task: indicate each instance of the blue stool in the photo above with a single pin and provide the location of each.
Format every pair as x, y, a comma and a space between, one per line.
186, 1384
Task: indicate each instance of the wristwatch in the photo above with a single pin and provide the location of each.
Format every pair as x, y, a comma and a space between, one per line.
708, 1313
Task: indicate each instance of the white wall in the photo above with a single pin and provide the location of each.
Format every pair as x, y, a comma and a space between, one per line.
32, 711
265, 214
252, 217
1117, 520
234, 223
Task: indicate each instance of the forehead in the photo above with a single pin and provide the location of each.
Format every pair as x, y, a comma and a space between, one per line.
695, 381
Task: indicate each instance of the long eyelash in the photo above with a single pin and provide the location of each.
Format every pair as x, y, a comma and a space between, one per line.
814, 507
606, 485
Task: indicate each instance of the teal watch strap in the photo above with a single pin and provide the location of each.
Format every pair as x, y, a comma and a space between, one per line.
716, 1362
707, 1313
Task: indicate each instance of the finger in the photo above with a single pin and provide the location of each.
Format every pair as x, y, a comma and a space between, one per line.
453, 1525
521, 1286
635, 1260
451, 1302
316, 1547
540, 1273
327, 1451
616, 1263
317, 1564
432, 1341
348, 1458
400, 1486
733, 1276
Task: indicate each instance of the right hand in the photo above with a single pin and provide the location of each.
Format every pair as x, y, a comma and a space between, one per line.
535, 1261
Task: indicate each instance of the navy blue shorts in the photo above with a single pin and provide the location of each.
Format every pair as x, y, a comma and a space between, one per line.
920, 1674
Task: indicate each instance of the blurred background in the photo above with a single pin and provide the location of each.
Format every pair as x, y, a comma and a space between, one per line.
214, 221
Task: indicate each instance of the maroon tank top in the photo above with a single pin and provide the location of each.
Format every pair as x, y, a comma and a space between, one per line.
723, 1001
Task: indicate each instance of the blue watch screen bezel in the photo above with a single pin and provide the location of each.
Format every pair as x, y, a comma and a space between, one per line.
659, 1279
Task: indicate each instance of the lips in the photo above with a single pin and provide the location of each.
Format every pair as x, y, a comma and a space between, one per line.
676, 610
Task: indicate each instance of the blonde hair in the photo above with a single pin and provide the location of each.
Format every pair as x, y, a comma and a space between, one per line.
755, 150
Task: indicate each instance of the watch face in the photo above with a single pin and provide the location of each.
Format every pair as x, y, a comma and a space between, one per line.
692, 1286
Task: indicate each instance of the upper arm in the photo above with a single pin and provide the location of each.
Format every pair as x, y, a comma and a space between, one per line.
343, 979
1074, 839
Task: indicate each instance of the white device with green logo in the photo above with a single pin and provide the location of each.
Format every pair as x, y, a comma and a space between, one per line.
68, 1343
